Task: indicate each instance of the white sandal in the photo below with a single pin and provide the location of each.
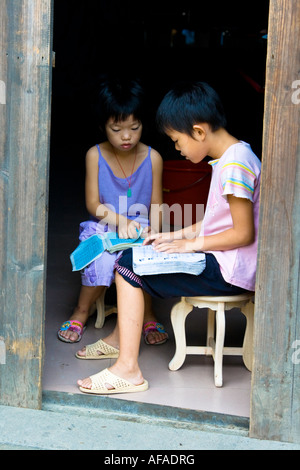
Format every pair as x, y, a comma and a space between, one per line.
92, 351
120, 385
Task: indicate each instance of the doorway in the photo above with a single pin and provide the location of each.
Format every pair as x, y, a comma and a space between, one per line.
162, 44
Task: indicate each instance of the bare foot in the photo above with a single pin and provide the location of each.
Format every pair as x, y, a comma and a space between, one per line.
70, 335
154, 332
87, 383
82, 352
156, 337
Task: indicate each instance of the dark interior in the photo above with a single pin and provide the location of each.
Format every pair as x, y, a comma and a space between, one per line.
161, 42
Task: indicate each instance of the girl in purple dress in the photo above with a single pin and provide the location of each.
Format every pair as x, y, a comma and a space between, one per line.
123, 182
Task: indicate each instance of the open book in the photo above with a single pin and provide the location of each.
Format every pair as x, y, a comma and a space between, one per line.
92, 248
146, 261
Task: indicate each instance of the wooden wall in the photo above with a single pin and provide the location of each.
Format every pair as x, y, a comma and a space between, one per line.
275, 411
25, 36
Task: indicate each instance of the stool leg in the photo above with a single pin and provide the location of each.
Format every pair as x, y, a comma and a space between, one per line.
100, 310
248, 311
210, 326
220, 336
178, 315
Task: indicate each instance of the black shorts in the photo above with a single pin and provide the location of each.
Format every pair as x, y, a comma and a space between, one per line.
209, 282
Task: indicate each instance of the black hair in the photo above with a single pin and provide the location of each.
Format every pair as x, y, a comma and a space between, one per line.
118, 98
190, 103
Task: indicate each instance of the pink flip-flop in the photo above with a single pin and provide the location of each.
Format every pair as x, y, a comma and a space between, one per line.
71, 325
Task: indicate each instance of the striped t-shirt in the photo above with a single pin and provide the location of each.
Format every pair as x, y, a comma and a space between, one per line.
237, 172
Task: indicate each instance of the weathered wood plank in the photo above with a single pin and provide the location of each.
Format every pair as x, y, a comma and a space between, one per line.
26, 55
3, 155
275, 409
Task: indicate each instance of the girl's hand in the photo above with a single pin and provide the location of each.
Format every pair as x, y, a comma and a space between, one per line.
157, 238
128, 228
176, 246
147, 232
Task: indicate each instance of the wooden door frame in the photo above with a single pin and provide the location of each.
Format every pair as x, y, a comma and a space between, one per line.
25, 91
275, 397
25, 109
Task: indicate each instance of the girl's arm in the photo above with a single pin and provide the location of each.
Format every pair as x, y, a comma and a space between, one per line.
127, 228
241, 234
155, 214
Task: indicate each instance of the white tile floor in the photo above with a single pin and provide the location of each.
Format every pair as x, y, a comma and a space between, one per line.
191, 387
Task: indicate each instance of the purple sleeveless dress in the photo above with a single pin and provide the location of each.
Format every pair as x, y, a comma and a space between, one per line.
113, 193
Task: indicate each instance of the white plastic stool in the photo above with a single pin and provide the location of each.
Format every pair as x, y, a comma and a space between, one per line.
102, 310
216, 310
